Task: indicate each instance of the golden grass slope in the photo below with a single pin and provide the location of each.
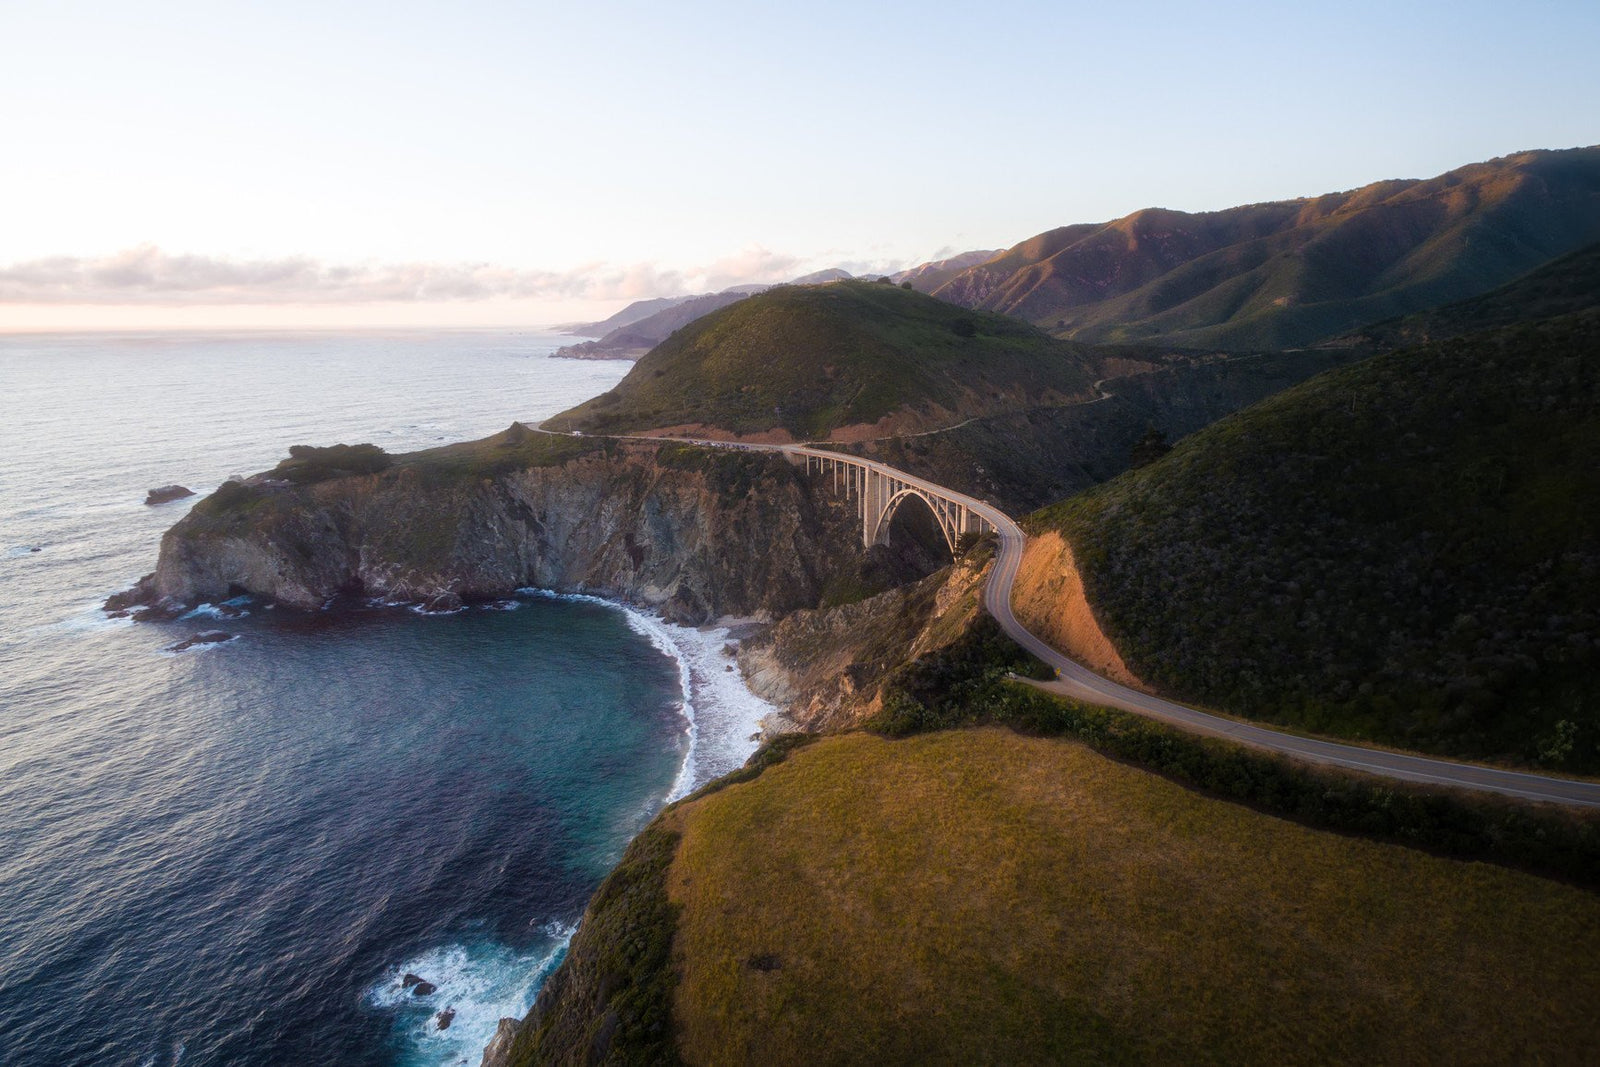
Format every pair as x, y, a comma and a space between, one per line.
981, 896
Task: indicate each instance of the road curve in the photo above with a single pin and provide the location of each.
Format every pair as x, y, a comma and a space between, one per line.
1077, 681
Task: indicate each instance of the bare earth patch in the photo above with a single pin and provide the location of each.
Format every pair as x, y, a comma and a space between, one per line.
1048, 597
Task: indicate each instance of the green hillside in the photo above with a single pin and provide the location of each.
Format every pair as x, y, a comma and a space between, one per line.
1566, 286
812, 359
1405, 550
1296, 272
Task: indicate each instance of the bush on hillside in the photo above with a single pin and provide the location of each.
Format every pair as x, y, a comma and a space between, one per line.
310, 463
1406, 550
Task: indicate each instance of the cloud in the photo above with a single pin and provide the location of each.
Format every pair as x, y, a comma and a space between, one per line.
149, 275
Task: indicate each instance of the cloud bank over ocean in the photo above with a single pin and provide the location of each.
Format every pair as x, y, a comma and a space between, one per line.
148, 274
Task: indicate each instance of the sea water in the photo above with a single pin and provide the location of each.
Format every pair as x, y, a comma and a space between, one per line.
234, 854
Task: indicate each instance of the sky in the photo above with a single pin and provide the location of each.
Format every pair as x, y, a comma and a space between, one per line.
170, 164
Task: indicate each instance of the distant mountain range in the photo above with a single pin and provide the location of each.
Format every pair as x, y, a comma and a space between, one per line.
1295, 272
635, 337
1285, 274
927, 277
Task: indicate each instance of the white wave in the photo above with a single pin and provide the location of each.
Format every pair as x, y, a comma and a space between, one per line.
202, 646
727, 714
423, 609
722, 717
84, 618
483, 983
228, 609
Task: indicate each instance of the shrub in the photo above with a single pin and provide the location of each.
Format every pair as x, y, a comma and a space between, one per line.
308, 463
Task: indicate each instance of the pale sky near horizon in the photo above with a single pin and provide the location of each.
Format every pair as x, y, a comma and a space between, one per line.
518, 163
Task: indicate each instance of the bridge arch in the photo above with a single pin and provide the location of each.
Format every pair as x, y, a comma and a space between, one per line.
880, 491
945, 522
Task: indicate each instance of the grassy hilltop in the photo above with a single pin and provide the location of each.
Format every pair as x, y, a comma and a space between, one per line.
978, 896
809, 360
1406, 550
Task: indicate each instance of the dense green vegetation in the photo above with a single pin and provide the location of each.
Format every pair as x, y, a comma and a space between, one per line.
968, 684
308, 463
514, 448
1566, 286
1296, 272
811, 359
1406, 550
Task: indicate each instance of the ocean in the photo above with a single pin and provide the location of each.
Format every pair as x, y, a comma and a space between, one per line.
234, 854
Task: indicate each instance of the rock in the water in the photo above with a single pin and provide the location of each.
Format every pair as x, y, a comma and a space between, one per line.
167, 493
424, 989
442, 604
409, 980
162, 610
204, 637
445, 1018
144, 603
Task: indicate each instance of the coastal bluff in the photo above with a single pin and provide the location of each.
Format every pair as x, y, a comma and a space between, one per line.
692, 533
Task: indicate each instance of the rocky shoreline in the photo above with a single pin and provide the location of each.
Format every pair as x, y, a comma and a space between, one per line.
696, 536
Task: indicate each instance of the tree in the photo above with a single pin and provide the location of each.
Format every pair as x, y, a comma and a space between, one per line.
1149, 448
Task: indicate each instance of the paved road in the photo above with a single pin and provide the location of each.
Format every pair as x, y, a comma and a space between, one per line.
1075, 680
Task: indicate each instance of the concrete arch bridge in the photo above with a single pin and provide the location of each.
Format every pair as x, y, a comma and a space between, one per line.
879, 490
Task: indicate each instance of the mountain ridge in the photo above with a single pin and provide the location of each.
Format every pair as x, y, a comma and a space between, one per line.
1289, 273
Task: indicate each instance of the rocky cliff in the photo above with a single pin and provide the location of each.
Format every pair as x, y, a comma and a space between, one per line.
691, 532
826, 667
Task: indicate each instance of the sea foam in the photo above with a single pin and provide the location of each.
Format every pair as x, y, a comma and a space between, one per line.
722, 717
483, 982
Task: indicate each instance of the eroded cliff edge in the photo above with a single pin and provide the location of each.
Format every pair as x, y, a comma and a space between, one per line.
693, 533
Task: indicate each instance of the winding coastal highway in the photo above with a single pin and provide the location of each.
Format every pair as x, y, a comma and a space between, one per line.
1076, 681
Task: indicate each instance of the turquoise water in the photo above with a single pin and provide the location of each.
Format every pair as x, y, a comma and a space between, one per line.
232, 854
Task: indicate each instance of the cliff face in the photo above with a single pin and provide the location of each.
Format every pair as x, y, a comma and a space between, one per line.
693, 533
826, 667
1048, 598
